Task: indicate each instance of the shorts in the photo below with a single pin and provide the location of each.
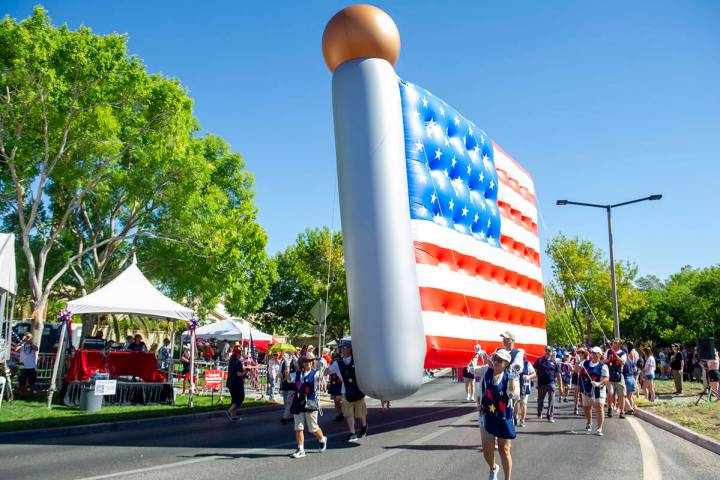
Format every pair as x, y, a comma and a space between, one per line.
306, 418
524, 399
630, 385
27, 376
650, 377
618, 388
589, 401
356, 409
713, 376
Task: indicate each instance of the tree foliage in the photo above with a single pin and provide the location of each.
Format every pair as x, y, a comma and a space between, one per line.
302, 281
100, 161
580, 293
681, 309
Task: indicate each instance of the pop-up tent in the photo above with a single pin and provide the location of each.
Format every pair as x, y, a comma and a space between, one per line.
235, 330
129, 293
8, 288
132, 294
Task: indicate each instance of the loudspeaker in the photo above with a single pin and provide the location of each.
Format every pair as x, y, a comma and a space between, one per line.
706, 348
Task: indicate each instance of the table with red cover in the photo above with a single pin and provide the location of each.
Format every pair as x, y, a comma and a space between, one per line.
133, 364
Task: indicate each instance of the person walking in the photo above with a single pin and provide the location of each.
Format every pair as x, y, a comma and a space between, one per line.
495, 414
305, 404
288, 367
615, 359
235, 383
565, 374
648, 374
677, 365
468, 374
353, 402
273, 370
527, 375
713, 378
581, 354
594, 376
548, 380
629, 372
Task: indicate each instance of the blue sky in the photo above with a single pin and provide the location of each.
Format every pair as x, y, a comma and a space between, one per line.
600, 101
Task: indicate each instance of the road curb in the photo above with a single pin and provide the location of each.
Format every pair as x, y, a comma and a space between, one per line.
121, 424
672, 427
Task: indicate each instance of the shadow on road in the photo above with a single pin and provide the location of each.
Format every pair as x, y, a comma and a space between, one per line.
256, 431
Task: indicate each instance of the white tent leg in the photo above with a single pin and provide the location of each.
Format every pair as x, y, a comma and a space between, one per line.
192, 368
171, 364
59, 357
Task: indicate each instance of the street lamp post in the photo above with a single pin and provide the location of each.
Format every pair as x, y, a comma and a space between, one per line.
608, 209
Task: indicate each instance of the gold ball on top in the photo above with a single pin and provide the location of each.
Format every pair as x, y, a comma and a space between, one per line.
360, 31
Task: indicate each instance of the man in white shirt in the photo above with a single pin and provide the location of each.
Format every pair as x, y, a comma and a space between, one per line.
28, 362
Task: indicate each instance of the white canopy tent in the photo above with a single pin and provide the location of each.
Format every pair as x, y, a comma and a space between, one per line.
234, 329
8, 282
129, 293
8, 289
133, 294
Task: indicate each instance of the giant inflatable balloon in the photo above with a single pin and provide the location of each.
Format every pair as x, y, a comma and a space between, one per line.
439, 223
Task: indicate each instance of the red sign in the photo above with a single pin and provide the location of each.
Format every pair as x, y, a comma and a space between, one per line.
213, 379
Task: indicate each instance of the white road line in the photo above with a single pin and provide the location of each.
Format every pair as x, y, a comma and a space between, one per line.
651, 467
389, 453
246, 451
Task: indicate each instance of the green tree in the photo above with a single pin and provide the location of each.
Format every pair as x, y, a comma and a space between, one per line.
582, 287
302, 280
99, 161
681, 309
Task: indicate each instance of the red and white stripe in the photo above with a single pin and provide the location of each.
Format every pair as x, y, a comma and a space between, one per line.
471, 292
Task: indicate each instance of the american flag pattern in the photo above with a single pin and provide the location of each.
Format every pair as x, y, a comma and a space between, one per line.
474, 228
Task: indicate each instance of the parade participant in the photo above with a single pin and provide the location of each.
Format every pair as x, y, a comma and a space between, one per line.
468, 375
185, 360
354, 406
549, 380
273, 370
527, 375
334, 389
615, 359
629, 372
496, 413
594, 376
305, 404
236, 383
287, 387
580, 356
516, 356
565, 374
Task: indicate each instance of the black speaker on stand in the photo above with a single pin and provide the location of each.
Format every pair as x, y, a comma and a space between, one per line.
706, 348
706, 351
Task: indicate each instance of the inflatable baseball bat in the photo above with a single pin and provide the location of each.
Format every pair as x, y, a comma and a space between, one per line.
360, 45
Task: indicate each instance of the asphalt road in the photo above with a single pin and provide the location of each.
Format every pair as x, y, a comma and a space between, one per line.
432, 434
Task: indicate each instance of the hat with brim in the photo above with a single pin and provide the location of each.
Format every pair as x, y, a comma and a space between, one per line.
502, 355
596, 350
508, 334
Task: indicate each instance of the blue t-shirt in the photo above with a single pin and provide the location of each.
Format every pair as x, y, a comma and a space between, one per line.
546, 370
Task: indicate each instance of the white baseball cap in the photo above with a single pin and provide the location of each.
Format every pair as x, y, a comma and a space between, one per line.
508, 334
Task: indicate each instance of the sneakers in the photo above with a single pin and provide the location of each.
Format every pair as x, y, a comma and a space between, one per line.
323, 445
494, 472
599, 433
609, 414
622, 415
363, 432
575, 412
299, 453
352, 438
522, 423
588, 428
551, 420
